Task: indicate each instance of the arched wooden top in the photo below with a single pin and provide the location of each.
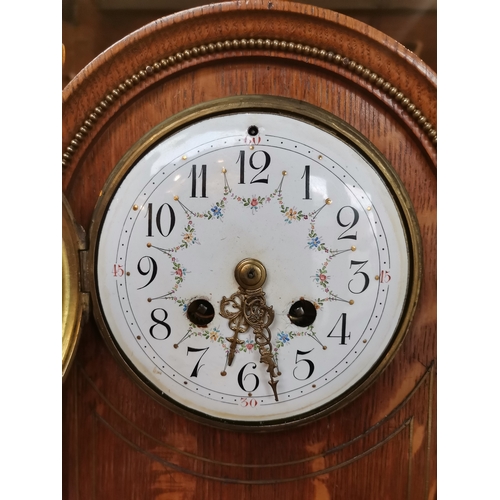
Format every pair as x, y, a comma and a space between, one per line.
284, 30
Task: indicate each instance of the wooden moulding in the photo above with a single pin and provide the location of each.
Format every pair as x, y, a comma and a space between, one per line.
240, 31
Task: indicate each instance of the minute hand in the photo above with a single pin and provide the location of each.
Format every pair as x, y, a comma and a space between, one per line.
259, 316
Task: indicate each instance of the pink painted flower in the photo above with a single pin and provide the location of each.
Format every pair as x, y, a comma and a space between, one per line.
254, 202
178, 272
322, 277
249, 347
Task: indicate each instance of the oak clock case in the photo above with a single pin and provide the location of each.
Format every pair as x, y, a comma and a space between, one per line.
255, 263
120, 437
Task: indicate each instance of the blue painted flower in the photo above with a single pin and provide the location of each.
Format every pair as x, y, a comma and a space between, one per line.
216, 211
283, 337
314, 242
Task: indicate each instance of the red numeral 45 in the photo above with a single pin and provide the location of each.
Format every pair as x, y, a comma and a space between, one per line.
118, 271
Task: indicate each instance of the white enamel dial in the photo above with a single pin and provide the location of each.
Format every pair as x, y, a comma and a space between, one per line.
307, 204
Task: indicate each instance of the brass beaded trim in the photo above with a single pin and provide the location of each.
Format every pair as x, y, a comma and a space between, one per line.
251, 44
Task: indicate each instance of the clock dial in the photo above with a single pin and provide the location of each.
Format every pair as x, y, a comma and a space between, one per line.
332, 246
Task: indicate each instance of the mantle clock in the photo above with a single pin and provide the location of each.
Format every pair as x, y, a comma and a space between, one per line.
249, 261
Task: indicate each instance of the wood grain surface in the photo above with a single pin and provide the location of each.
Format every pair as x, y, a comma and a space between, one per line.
118, 443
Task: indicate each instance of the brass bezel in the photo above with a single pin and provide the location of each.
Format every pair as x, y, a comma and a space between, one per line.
325, 121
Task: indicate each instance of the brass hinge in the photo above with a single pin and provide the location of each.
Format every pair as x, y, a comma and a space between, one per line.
83, 278
84, 284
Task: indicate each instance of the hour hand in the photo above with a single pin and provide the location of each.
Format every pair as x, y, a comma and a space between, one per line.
232, 309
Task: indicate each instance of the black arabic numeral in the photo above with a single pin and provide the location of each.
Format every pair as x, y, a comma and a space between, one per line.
343, 329
161, 324
366, 279
158, 219
241, 378
152, 269
352, 221
306, 175
203, 175
309, 363
197, 367
241, 159
261, 169
252, 161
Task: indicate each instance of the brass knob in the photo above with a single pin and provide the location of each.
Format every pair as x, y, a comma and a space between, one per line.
250, 274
